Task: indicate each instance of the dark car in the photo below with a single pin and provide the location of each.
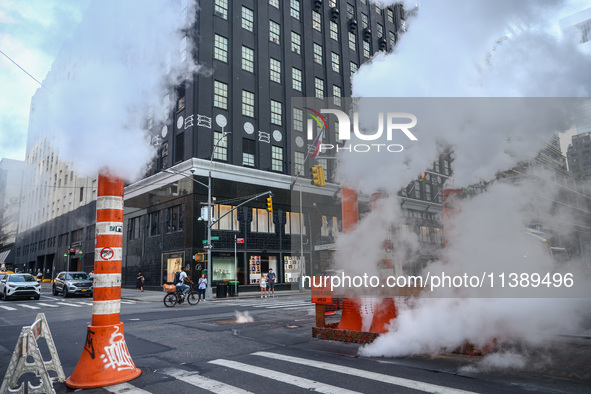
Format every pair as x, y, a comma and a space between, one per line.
70, 283
19, 285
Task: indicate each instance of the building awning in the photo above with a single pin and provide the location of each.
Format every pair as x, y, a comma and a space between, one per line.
4, 255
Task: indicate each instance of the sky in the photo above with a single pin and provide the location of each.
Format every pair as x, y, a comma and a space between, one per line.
31, 34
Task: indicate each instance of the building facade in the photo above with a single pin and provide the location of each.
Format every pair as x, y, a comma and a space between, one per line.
579, 156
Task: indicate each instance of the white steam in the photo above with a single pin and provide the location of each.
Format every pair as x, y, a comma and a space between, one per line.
110, 79
243, 317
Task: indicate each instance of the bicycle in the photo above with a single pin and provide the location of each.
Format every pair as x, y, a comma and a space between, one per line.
171, 299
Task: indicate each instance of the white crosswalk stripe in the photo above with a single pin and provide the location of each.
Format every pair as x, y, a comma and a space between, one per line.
28, 306
413, 384
8, 308
202, 382
125, 388
47, 305
283, 377
70, 304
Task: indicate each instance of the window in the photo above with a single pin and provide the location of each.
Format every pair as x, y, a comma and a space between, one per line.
247, 59
221, 8
296, 43
274, 32
298, 119
274, 3
332, 3
353, 66
336, 94
336, 62
262, 221
364, 20
319, 87
221, 148
247, 103
446, 167
296, 78
275, 67
436, 166
295, 8
390, 15
298, 163
277, 158
229, 221
392, 38
427, 192
183, 49
424, 234
276, 112
352, 41
334, 31
154, 224
366, 49
220, 95
417, 190
220, 51
247, 18
350, 11
317, 53
380, 30
437, 235
337, 132
292, 223
329, 226
174, 219
247, 152
378, 9
316, 21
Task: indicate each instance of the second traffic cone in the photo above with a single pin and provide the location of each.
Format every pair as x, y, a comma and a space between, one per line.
383, 315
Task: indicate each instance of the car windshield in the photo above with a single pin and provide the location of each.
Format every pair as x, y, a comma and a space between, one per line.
22, 278
77, 276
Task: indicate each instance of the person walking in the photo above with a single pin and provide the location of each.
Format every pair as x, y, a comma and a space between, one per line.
263, 284
271, 277
139, 283
202, 286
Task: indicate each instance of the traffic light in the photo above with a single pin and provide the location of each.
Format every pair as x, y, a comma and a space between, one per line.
200, 257
269, 204
318, 176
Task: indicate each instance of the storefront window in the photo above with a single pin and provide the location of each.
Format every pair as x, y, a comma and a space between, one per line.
223, 269
172, 263
254, 268
291, 268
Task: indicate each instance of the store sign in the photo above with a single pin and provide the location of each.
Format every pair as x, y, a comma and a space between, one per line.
325, 247
239, 240
321, 294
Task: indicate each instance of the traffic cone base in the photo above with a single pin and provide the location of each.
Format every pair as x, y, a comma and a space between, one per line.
105, 360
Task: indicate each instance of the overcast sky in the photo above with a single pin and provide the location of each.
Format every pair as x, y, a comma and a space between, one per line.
31, 33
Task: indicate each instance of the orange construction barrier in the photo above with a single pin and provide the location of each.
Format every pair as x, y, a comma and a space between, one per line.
384, 312
105, 359
351, 318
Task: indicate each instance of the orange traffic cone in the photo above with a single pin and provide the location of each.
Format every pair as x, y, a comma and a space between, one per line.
351, 318
384, 312
105, 359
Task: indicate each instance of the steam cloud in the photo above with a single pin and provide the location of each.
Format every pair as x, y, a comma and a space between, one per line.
462, 48
109, 79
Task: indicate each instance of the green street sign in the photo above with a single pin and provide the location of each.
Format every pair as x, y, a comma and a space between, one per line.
215, 238
204, 242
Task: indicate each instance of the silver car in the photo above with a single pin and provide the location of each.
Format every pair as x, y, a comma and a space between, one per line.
70, 283
19, 285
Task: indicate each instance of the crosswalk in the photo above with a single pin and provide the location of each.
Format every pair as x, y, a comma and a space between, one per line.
272, 303
245, 377
15, 305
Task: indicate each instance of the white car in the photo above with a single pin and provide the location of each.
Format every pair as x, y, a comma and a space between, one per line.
19, 285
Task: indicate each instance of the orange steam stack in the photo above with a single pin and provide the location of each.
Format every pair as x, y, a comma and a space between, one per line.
105, 359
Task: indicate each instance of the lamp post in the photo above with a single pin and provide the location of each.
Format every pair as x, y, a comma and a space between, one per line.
208, 292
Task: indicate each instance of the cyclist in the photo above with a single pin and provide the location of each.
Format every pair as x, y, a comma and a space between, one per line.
181, 286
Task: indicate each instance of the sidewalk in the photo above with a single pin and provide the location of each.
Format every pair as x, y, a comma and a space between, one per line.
158, 296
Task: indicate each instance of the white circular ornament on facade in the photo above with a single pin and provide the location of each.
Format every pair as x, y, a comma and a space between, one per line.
277, 136
299, 141
164, 131
179, 122
248, 128
221, 120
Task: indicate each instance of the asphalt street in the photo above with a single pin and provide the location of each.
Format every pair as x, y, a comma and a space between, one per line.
204, 348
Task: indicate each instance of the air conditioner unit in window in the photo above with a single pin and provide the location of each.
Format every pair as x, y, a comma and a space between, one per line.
367, 34
352, 25
334, 14
317, 5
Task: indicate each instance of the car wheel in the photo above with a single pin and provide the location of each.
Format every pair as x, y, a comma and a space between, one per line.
66, 292
6, 297
55, 292
37, 297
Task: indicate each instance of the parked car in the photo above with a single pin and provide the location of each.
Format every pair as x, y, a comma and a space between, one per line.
19, 285
70, 283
